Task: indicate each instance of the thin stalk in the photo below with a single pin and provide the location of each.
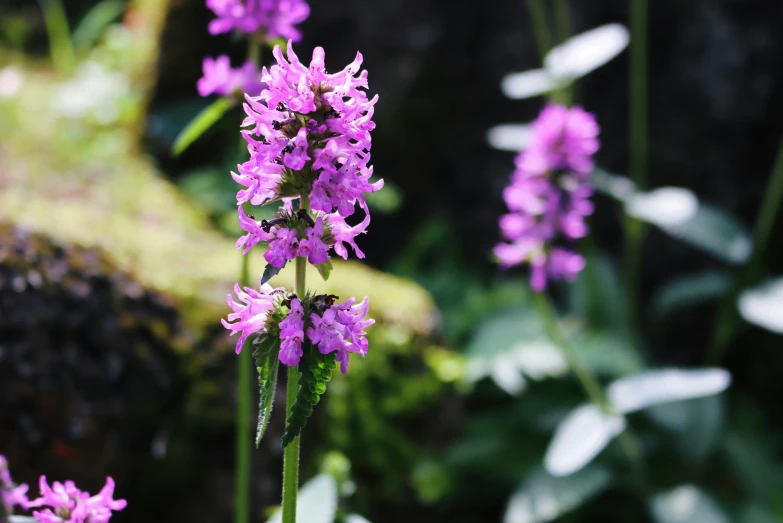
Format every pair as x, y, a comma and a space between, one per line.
60, 44
540, 25
563, 20
638, 147
291, 453
726, 320
244, 441
590, 385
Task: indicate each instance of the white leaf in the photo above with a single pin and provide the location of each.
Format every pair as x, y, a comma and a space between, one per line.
542, 497
316, 502
663, 207
686, 504
586, 52
508, 377
355, 518
664, 386
763, 305
579, 438
509, 137
527, 84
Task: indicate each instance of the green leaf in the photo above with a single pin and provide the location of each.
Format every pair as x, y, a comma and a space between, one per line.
266, 364
698, 423
690, 290
325, 269
201, 123
316, 502
270, 272
60, 44
544, 498
95, 23
316, 371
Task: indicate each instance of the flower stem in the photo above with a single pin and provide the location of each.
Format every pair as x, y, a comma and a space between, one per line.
726, 319
638, 153
291, 453
244, 441
628, 441
538, 22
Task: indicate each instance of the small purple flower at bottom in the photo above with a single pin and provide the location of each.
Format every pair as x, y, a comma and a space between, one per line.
65, 503
11, 494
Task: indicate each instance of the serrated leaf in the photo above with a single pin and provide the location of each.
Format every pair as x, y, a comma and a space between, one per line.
201, 124
579, 438
686, 504
315, 372
95, 23
316, 502
543, 497
325, 269
270, 272
267, 362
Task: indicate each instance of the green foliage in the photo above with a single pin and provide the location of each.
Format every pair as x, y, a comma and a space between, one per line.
316, 371
200, 124
267, 348
325, 269
269, 273
95, 23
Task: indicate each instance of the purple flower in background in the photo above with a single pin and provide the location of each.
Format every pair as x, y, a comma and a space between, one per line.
251, 314
64, 502
549, 196
221, 79
10, 493
275, 18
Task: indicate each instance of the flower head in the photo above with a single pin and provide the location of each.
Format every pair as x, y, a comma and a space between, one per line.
292, 334
276, 18
221, 79
65, 502
11, 494
549, 196
251, 314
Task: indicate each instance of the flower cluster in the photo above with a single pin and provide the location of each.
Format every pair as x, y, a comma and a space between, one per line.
64, 502
221, 79
309, 137
275, 18
332, 328
271, 18
11, 494
549, 196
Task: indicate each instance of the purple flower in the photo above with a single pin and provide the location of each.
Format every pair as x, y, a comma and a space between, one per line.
315, 125
275, 18
251, 314
283, 248
292, 334
344, 233
314, 248
73, 505
219, 78
549, 196
254, 232
10, 493
341, 329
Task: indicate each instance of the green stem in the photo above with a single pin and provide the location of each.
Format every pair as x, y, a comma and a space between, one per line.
563, 20
726, 319
244, 440
638, 148
291, 453
590, 385
538, 21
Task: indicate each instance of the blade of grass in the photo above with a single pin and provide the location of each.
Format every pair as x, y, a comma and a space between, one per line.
208, 117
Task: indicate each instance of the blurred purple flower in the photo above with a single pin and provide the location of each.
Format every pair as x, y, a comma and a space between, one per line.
66, 503
274, 18
10, 493
221, 79
549, 196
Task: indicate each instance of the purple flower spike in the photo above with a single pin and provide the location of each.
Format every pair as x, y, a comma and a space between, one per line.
549, 196
11, 494
275, 18
65, 503
251, 314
